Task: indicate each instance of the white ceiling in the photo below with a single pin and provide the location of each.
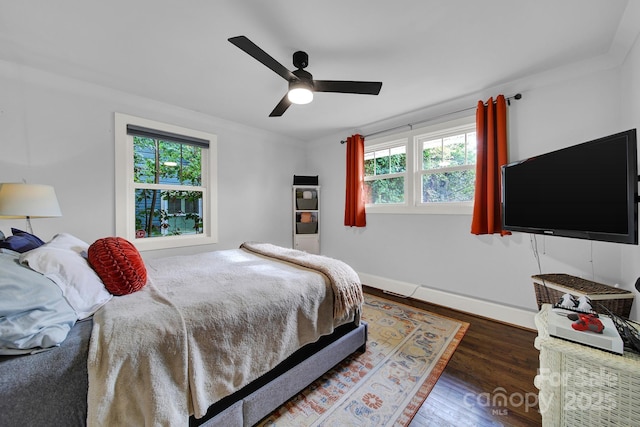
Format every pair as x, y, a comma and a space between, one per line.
424, 51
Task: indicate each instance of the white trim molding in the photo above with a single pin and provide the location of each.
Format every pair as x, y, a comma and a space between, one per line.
502, 313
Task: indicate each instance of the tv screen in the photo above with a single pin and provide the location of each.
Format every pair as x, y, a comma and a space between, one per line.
587, 191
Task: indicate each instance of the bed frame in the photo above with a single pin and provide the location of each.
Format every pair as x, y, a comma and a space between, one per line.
50, 388
257, 400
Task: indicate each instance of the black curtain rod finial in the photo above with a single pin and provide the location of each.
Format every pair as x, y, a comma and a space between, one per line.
516, 97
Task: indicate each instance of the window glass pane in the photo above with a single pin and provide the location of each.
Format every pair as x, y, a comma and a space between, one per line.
471, 148
388, 160
432, 154
382, 162
454, 151
398, 159
382, 191
369, 164
174, 205
144, 153
190, 165
192, 206
182, 216
456, 186
166, 162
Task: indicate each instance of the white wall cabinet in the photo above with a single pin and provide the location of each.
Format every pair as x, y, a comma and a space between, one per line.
306, 218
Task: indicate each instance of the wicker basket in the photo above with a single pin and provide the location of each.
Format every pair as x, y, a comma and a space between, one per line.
550, 288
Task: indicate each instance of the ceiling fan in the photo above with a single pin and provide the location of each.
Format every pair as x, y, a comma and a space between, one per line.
301, 82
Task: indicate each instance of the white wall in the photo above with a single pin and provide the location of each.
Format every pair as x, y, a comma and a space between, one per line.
439, 252
60, 132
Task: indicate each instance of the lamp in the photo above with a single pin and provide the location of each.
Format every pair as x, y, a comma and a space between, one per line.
300, 92
21, 200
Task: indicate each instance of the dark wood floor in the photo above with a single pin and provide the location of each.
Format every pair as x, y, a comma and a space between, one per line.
489, 379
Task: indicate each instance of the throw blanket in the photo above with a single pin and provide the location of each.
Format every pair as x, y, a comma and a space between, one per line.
137, 362
347, 289
204, 326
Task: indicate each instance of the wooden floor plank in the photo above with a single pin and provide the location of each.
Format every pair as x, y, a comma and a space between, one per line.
489, 379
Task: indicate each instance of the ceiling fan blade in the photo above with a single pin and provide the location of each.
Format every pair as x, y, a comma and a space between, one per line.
252, 49
281, 107
345, 86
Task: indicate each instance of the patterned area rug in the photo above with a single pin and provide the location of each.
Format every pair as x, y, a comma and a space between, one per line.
407, 350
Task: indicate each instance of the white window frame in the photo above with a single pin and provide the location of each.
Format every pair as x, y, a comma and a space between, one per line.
413, 178
125, 188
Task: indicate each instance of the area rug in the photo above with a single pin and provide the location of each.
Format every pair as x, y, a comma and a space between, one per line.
407, 350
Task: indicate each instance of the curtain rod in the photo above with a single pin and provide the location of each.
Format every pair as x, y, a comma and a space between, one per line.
410, 125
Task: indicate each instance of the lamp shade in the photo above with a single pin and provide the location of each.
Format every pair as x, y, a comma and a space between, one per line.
19, 200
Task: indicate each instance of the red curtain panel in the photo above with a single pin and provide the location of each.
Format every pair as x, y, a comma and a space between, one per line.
491, 131
354, 213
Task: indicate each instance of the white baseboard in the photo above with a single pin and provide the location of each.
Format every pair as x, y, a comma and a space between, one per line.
503, 313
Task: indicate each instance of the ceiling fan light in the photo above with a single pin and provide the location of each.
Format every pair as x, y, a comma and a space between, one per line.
299, 93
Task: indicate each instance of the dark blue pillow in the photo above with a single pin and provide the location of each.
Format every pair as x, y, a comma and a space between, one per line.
34, 238
21, 241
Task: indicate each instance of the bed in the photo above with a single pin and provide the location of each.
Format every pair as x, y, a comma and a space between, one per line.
185, 348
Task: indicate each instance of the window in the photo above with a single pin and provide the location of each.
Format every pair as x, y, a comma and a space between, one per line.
427, 170
165, 184
385, 170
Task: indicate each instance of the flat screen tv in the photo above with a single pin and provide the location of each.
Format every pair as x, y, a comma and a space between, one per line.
586, 191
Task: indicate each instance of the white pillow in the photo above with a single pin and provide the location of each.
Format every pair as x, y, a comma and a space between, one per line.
64, 261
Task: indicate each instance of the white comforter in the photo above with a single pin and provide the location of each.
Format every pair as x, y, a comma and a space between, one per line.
203, 327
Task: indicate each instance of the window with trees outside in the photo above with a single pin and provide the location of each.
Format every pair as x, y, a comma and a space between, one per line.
426, 170
165, 184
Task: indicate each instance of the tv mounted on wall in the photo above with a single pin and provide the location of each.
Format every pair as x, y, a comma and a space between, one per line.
586, 191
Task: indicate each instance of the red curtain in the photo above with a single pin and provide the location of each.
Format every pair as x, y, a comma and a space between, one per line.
491, 131
354, 214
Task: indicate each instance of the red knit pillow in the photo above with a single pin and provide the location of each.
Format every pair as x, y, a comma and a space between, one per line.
119, 265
